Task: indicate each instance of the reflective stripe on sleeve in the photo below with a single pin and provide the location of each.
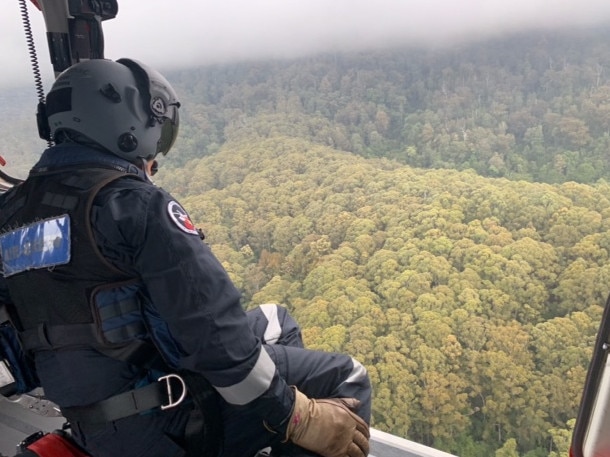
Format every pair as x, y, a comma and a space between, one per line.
274, 328
254, 385
357, 374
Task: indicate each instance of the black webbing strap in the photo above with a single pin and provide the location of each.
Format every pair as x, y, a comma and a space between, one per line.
136, 401
44, 337
204, 430
52, 337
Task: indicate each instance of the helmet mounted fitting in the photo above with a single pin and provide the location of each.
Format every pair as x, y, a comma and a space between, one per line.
124, 107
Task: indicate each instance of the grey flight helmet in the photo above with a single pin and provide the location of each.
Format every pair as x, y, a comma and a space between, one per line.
124, 107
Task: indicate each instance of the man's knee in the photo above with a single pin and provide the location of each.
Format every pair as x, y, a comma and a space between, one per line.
274, 325
358, 385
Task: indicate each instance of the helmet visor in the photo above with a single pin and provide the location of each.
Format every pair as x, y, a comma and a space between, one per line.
169, 132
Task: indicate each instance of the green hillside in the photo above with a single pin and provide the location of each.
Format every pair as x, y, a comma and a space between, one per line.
534, 107
473, 302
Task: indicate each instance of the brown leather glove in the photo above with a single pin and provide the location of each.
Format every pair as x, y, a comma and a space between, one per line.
328, 426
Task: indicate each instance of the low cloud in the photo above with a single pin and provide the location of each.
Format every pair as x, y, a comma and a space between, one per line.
189, 32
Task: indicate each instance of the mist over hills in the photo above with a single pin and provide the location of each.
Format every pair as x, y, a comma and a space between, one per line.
533, 106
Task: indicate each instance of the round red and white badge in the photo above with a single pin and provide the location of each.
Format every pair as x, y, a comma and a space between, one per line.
181, 218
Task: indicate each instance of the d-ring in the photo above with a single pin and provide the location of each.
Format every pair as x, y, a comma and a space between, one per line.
171, 402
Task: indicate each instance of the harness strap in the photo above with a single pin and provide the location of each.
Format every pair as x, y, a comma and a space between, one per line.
155, 395
204, 431
49, 337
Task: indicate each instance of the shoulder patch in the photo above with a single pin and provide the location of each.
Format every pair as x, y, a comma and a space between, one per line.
181, 218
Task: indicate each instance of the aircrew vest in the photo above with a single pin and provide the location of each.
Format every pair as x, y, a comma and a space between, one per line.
66, 294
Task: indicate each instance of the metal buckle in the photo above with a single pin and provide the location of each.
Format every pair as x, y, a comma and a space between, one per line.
171, 401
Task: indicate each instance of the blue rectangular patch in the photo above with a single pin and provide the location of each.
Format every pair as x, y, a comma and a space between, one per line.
42, 244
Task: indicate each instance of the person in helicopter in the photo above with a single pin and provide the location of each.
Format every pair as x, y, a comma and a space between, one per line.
136, 330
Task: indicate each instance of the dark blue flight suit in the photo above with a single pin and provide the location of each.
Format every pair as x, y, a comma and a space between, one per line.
195, 318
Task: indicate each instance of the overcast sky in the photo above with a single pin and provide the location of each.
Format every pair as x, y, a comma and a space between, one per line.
173, 33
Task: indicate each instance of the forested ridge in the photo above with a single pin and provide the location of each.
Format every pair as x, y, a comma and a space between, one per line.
443, 216
534, 107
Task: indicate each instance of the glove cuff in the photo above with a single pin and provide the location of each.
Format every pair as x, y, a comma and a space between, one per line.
300, 415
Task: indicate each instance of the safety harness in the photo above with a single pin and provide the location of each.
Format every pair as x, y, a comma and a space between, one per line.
49, 215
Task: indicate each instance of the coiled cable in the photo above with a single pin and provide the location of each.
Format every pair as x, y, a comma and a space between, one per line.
29, 38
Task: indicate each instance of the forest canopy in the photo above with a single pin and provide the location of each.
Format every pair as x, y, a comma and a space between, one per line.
532, 107
472, 301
